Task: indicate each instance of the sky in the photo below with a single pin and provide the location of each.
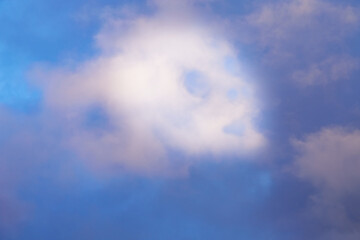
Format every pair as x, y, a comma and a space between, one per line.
179, 119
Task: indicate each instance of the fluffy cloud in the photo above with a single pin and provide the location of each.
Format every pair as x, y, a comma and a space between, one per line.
163, 83
330, 159
305, 38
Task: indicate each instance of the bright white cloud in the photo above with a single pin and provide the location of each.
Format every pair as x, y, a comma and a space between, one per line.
167, 82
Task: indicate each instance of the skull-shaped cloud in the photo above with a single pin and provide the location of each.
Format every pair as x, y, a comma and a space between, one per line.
163, 84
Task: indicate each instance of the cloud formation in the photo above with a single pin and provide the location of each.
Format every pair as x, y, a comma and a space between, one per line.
330, 159
306, 39
162, 83
331, 69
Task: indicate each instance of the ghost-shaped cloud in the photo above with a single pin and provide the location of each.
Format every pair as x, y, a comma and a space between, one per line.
163, 85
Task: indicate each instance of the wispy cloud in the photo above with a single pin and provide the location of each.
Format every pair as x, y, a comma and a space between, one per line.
304, 38
330, 159
334, 68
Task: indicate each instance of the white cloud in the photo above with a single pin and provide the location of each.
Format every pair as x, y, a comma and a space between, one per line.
167, 82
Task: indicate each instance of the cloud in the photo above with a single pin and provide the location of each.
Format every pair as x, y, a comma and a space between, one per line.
162, 83
13, 211
330, 159
332, 69
305, 39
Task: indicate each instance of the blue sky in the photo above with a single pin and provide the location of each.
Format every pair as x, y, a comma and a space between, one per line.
196, 119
